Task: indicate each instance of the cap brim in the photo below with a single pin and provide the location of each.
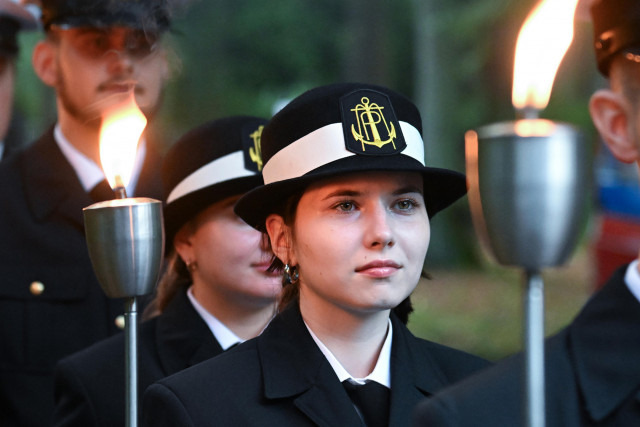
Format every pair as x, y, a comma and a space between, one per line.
14, 11
442, 187
177, 213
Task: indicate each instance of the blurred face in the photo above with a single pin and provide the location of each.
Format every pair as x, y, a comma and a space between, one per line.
360, 241
7, 72
230, 260
95, 68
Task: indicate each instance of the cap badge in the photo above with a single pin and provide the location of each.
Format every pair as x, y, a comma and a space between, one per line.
253, 151
370, 125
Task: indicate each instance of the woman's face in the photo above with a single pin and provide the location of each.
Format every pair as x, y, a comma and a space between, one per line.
231, 263
360, 241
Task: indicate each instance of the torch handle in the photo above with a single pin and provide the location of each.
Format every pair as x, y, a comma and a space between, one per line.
131, 362
534, 349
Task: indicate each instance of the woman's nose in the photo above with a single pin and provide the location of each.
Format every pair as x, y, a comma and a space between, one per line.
379, 233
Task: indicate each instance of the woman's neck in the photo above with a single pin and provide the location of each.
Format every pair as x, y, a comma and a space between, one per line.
243, 319
354, 339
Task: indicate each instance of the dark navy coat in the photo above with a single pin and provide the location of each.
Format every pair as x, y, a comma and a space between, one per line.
89, 385
592, 374
281, 378
51, 304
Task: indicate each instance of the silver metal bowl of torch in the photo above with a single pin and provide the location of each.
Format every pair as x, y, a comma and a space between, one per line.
528, 190
125, 238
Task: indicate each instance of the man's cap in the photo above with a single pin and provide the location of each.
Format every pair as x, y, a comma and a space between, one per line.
210, 163
151, 16
342, 128
616, 27
13, 18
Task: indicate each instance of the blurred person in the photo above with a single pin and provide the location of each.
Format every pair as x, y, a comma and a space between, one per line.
13, 18
94, 54
216, 292
592, 373
347, 204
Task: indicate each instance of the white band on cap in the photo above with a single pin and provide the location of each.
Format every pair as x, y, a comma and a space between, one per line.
323, 146
222, 169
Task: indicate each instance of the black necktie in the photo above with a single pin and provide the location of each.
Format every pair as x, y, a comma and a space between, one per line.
371, 400
101, 192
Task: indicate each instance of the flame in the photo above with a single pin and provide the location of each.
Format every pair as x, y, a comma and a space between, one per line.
121, 128
543, 41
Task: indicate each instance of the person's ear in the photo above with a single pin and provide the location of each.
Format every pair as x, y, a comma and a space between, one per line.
280, 237
164, 66
183, 245
45, 63
611, 115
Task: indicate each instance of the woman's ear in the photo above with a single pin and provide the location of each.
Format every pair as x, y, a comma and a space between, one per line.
280, 237
611, 114
183, 245
44, 62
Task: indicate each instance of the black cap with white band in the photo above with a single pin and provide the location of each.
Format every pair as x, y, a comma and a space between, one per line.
212, 162
338, 129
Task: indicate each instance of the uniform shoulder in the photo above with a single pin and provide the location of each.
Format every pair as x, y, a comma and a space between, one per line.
112, 348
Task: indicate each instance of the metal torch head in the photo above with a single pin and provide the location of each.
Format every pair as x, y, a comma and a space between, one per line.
528, 190
125, 238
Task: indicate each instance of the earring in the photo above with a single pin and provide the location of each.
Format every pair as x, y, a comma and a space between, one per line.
192, 266
290, 275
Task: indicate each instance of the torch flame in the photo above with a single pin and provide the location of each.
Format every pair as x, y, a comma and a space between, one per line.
542, 43
121, 128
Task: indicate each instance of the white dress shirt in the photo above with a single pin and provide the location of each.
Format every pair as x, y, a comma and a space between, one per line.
224, 335
89, 173
632, 279
380, 374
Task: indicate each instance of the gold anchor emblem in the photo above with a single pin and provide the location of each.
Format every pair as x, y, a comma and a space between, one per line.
369, 115
255, 152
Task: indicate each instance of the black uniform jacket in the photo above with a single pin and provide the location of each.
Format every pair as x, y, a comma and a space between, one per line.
592, 374
281, 378
89, 385
51, 304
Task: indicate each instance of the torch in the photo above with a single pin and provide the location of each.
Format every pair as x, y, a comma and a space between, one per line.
125, 236
527, 181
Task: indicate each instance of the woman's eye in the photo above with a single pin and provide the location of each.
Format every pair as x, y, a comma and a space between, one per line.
345, 206
406, 204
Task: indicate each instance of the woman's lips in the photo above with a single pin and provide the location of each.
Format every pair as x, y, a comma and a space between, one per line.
381, 268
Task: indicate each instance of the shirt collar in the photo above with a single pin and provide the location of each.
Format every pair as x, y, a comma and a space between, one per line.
89, 173
632, 279
380, 374
226, 338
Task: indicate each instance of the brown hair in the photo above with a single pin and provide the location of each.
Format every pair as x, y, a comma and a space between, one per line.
175, 279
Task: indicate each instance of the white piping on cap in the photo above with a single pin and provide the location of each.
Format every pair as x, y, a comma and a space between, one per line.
221, 169
323, 146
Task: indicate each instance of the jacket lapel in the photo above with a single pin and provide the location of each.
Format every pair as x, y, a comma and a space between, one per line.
149, 183
51, 184
414, 374
605, 347
182, 337
295, 368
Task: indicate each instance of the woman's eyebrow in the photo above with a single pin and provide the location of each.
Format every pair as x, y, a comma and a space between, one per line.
408, 189
342, 193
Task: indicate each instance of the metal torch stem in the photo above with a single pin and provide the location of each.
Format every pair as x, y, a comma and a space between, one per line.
131, 362
534, 349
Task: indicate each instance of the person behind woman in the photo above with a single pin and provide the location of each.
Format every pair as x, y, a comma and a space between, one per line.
347, 206
216, 291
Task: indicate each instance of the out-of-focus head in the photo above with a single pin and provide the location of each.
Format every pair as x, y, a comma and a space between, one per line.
14, 17
338, 129
210, 163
